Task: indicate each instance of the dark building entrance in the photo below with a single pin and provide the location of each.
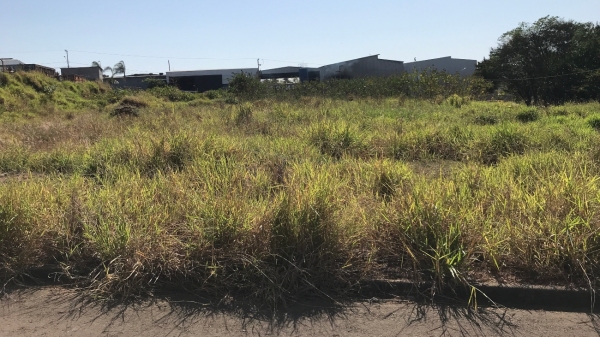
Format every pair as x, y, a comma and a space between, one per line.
199, 83
208, 82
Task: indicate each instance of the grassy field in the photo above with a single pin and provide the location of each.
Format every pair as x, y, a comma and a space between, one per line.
281, 198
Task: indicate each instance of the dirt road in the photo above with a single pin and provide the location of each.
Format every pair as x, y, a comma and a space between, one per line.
58, 312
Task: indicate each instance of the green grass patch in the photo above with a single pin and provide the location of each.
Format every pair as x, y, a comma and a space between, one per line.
280, 199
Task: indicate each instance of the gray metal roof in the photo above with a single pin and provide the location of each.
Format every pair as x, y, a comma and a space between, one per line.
11, 62
281, 70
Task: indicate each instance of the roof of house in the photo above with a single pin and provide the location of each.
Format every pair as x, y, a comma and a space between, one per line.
210, 72
11, 62
91, 67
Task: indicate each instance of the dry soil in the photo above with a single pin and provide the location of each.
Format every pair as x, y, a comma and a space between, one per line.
53, 311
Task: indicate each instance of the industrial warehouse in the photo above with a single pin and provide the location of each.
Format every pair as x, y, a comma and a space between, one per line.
369, 66
213, 79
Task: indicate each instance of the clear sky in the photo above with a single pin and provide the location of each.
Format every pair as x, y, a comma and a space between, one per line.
233, 34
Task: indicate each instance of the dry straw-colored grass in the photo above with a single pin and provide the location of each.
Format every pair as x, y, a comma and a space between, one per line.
277, 200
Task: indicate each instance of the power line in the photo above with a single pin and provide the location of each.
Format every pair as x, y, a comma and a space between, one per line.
167, 57
135, 70
32, 51
543, 77
54, 62
296, 62
187, 58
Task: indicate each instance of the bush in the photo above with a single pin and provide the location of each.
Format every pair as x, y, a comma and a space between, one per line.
245, 86
214, 94
172, 93
594, 122
335, 140
486, 119
155, 83
528, 115
430, 84
243, 114
457, 101
503, 142
134, 101
231, 100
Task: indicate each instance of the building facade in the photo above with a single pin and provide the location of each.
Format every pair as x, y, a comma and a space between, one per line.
89, 73
137, 81
13, 65
303, 74
448, 64
370, 66
204, 80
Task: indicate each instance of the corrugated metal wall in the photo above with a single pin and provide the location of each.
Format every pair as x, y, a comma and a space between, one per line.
448, 64
370, 66
90, 73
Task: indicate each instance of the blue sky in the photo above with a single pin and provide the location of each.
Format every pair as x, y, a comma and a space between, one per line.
233, 34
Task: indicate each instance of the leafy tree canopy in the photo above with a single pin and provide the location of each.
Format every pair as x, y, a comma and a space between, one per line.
119, 68
551, 61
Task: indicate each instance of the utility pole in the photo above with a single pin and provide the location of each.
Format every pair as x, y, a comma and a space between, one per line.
169, 64
66, 51
258, 62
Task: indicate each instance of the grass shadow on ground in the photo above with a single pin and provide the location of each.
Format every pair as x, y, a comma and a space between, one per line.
182, 311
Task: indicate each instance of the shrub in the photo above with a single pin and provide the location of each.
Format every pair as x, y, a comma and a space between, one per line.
214, 94
134, 101
336, 140
594, 122
502, 142
528, 115
172, 93
155, 83
243, 114
245, 86
446, 144
125, 110
231, 100
388, 177
486, 119
457, 101
4, 79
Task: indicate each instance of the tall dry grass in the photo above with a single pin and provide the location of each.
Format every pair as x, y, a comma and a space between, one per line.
284, 199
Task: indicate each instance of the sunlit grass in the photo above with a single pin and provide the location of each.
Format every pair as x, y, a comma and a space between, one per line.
287, 198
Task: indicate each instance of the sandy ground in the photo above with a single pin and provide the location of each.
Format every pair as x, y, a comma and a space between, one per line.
59, 312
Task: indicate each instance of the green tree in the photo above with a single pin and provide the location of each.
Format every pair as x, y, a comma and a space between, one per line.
119, 68
112, 72
551, 61
245, 85
99, 65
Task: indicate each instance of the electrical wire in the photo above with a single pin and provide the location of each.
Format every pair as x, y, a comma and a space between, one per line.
166, 57
542, 77
191, 58
170, 57
33, 52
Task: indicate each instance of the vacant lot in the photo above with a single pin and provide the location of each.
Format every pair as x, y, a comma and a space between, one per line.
279, 199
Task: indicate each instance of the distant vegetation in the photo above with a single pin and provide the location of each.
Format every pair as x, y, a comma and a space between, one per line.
430, 84
291, 192
36, 92
551, 61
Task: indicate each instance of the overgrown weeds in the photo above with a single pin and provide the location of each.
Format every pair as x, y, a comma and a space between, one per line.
282, 199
